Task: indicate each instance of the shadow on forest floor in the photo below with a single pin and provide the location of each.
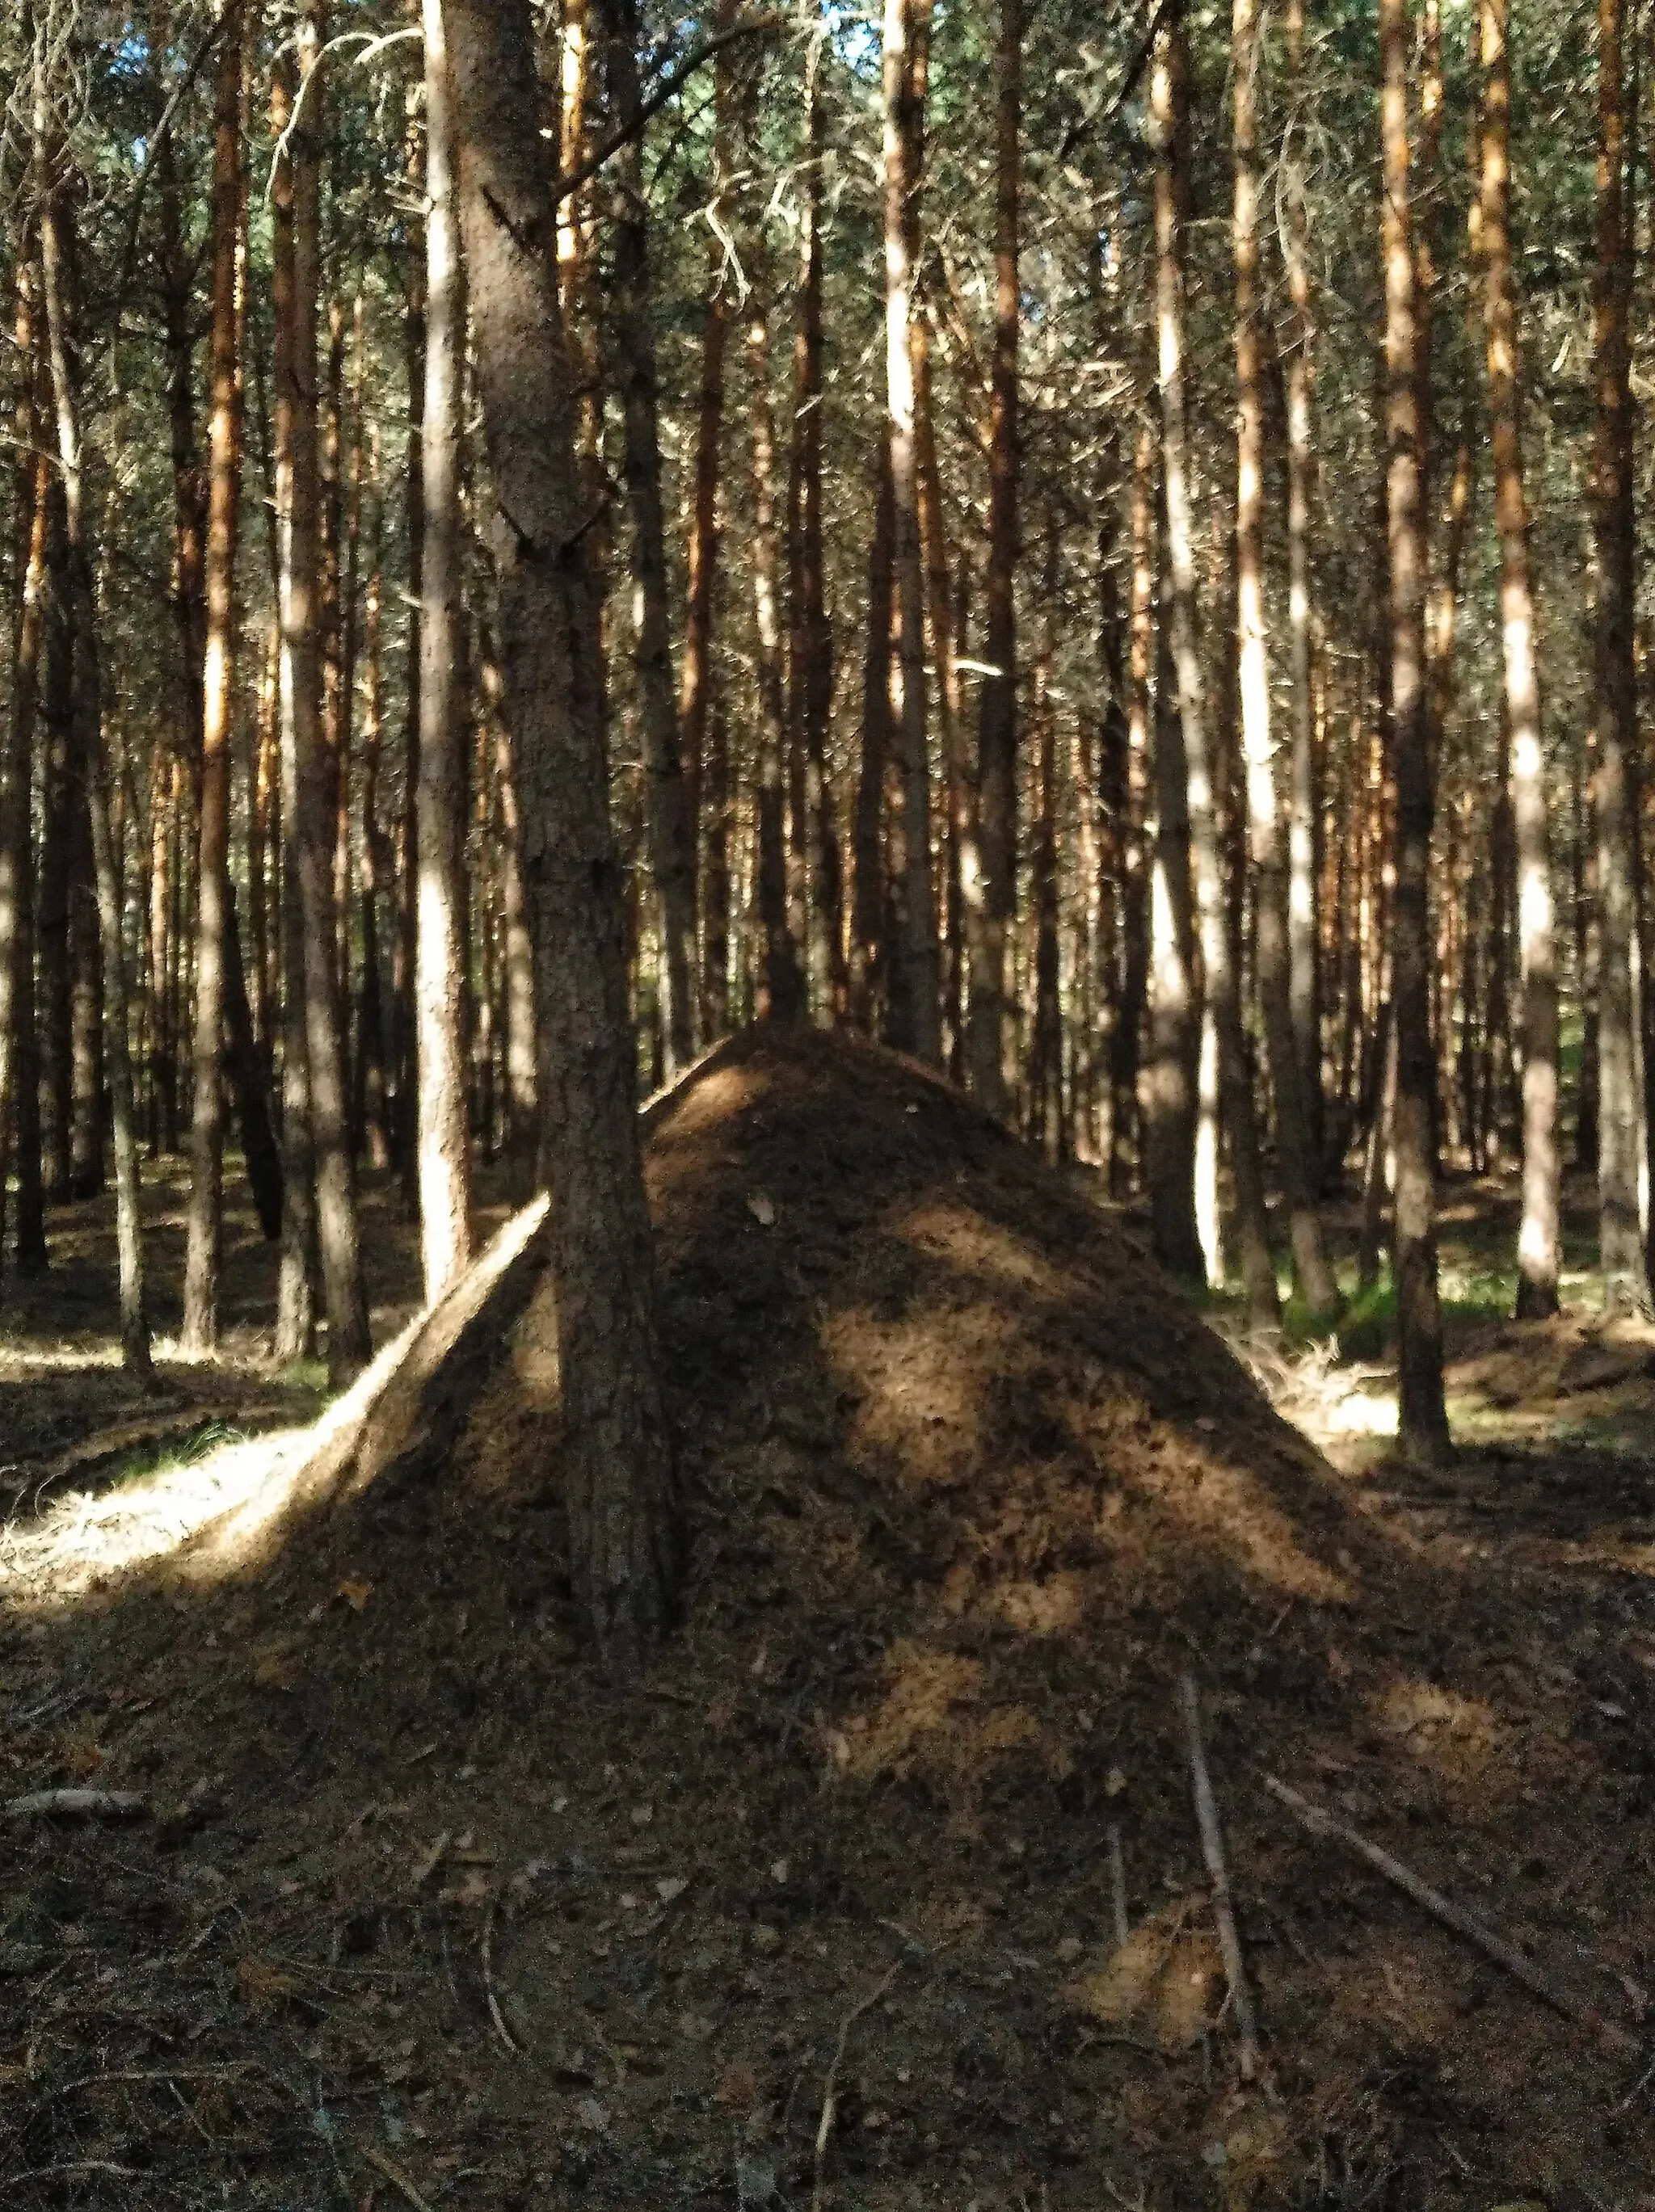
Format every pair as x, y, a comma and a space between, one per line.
823, 1907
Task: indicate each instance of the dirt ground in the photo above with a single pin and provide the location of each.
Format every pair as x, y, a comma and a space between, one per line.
419, 1911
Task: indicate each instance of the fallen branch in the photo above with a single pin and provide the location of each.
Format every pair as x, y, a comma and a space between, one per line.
82, 1804
830, 2091
394, 2174
1476, 1932
1117, 1884
495, 2013
1212, 1847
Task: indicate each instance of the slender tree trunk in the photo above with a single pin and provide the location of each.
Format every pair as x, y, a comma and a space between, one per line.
295, 1296
916, 1007
1047, 1123
1296, 1147
811, 656
715, 889
696, 677
1223, 993
1303, 925
88, 742
870, 953
673, 853
370, 1112
1539, 1234
617, 1452
1134, 900
206, 1212
781, 995
20, 1095
445, 1175
307, 793
60, 798
1619, 1017
997, 699
1423, 1421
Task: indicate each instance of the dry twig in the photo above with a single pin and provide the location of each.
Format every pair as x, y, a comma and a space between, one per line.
830, 2093
394, 2174
87, 1804
1474, 1931
495, 2013
1212, 1847
1117, 1884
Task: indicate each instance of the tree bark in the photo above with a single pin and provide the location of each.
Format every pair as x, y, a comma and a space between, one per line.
671, 848
1222, 987
916, 1007
811, 654
1303, 926
870, 953
87, 743
445, 1171
307, 790
997, 699
205, 1229
781, 993
1620, 988
1539, 1237
618, 1455
295, 1296
1422, 1421
1295, 1142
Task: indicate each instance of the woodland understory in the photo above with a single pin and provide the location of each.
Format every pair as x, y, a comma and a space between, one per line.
790, 800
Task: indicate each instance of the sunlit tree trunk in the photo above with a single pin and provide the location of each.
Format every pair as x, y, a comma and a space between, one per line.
445, 1175
616, 1454
88, 743
1302, 910
1539, 1234
1620, 988
370, 1104
206, 1212
1221, 981
1423, 1421
1295, 1145
517, 948
997, 698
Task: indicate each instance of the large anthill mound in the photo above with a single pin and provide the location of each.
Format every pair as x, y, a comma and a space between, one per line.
822, 1911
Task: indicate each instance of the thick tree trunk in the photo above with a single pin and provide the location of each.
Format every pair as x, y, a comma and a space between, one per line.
517, 951
1620, 988
1539, 1235
88, 744
916, 1007
206, 1210
616, 1450
445, 1171
1295, 1140
370, 1104
1423, 1421
307, 792
997, 700
1222, 984
672, 847
404, 947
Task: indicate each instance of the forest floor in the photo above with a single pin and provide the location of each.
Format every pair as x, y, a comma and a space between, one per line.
421, 1912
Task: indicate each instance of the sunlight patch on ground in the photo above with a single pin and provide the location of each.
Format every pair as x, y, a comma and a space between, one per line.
85, 1539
